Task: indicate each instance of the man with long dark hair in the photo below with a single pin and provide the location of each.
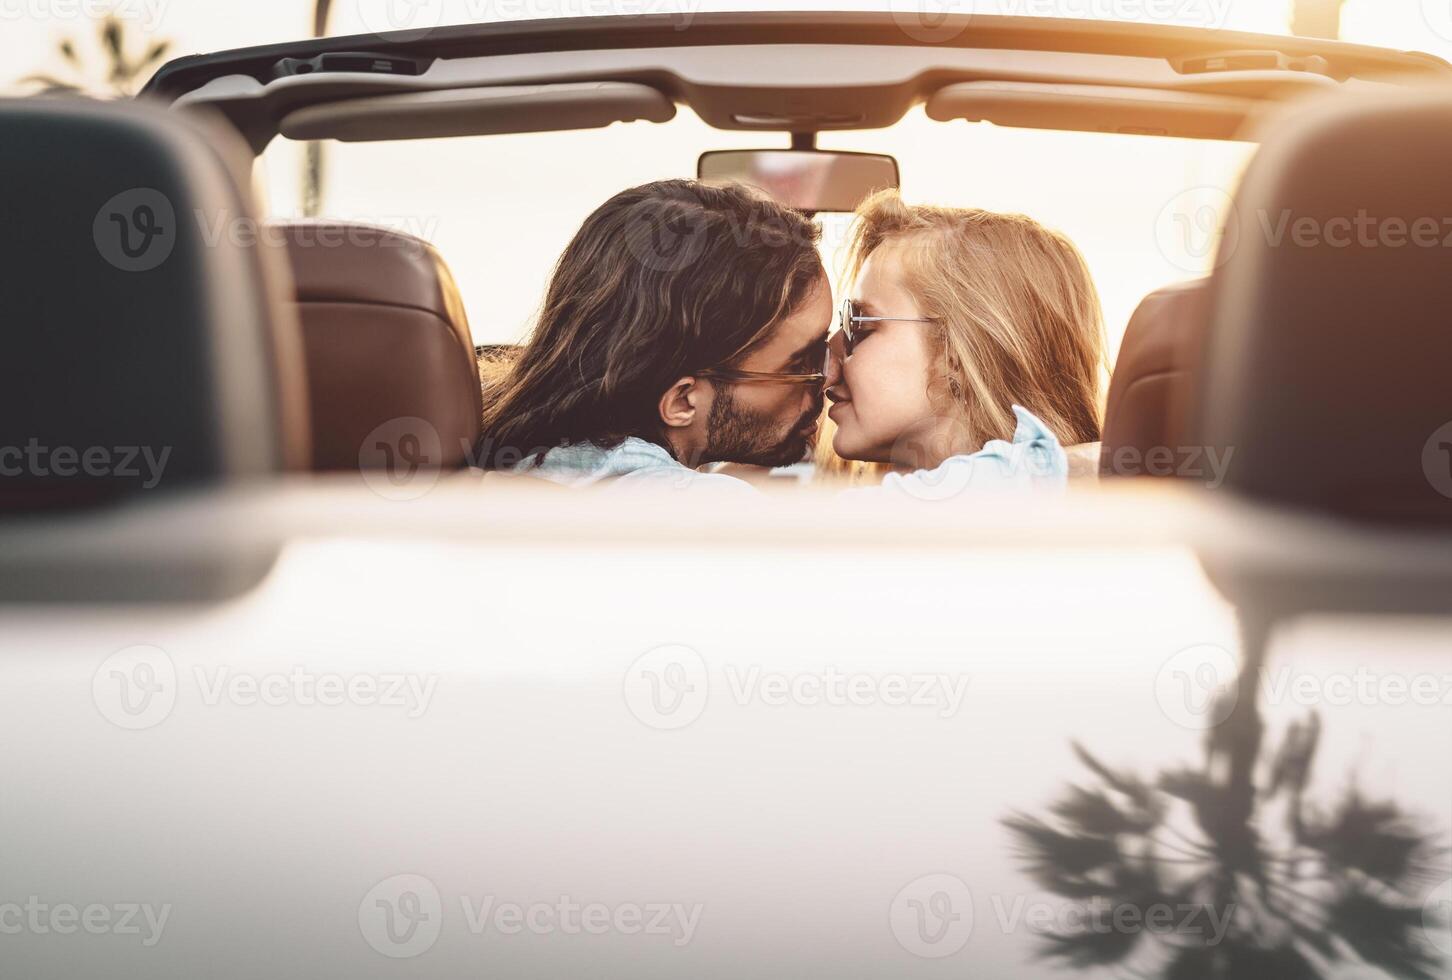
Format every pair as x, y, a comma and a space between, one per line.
685, 324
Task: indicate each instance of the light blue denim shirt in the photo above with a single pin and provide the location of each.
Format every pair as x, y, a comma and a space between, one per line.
1034, 460
633, 464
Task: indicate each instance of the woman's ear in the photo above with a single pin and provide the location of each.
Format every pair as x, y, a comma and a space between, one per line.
679, 404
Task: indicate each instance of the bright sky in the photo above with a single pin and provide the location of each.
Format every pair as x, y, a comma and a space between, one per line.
501, 208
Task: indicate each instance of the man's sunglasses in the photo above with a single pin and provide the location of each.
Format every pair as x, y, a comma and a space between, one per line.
762, 377
737, 376
853, 320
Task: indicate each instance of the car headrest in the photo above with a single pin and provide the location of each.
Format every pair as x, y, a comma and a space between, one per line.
389, 352
148, 343
1144, 420
1326, 361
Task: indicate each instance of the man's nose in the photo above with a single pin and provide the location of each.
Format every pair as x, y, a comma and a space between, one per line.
836, 354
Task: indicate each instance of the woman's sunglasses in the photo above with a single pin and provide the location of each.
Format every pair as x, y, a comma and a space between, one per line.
853, 319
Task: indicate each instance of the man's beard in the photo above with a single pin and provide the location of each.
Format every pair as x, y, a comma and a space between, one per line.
738, 435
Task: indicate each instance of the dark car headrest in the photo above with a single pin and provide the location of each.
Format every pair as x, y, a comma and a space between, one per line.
1144, 420
389, 349
147, 343
1331, 336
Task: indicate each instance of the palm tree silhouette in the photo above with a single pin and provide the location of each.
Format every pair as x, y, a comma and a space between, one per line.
1295, 887
313, 166
122, 74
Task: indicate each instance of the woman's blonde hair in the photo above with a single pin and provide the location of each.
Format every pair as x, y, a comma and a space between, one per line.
1018, 317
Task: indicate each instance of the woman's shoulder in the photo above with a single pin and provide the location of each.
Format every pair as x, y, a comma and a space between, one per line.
1032, 460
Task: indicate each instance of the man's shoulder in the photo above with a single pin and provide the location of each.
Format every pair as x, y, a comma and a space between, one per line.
634, 462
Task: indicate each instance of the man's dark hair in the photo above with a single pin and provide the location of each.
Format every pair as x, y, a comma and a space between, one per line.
664, 280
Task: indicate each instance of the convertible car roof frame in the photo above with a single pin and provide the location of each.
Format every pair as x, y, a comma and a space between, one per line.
1175, 44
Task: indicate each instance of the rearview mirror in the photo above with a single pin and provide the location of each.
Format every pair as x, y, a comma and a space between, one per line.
809, 180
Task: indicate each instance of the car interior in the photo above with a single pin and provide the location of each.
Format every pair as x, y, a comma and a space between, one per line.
292, 373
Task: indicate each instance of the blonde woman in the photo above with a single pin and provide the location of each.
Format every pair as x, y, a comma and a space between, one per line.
971, 351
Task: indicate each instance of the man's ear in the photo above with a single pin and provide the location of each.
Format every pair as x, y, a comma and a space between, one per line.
679, 404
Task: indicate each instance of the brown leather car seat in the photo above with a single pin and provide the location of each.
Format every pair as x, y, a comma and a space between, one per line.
1145, 419
389, 354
